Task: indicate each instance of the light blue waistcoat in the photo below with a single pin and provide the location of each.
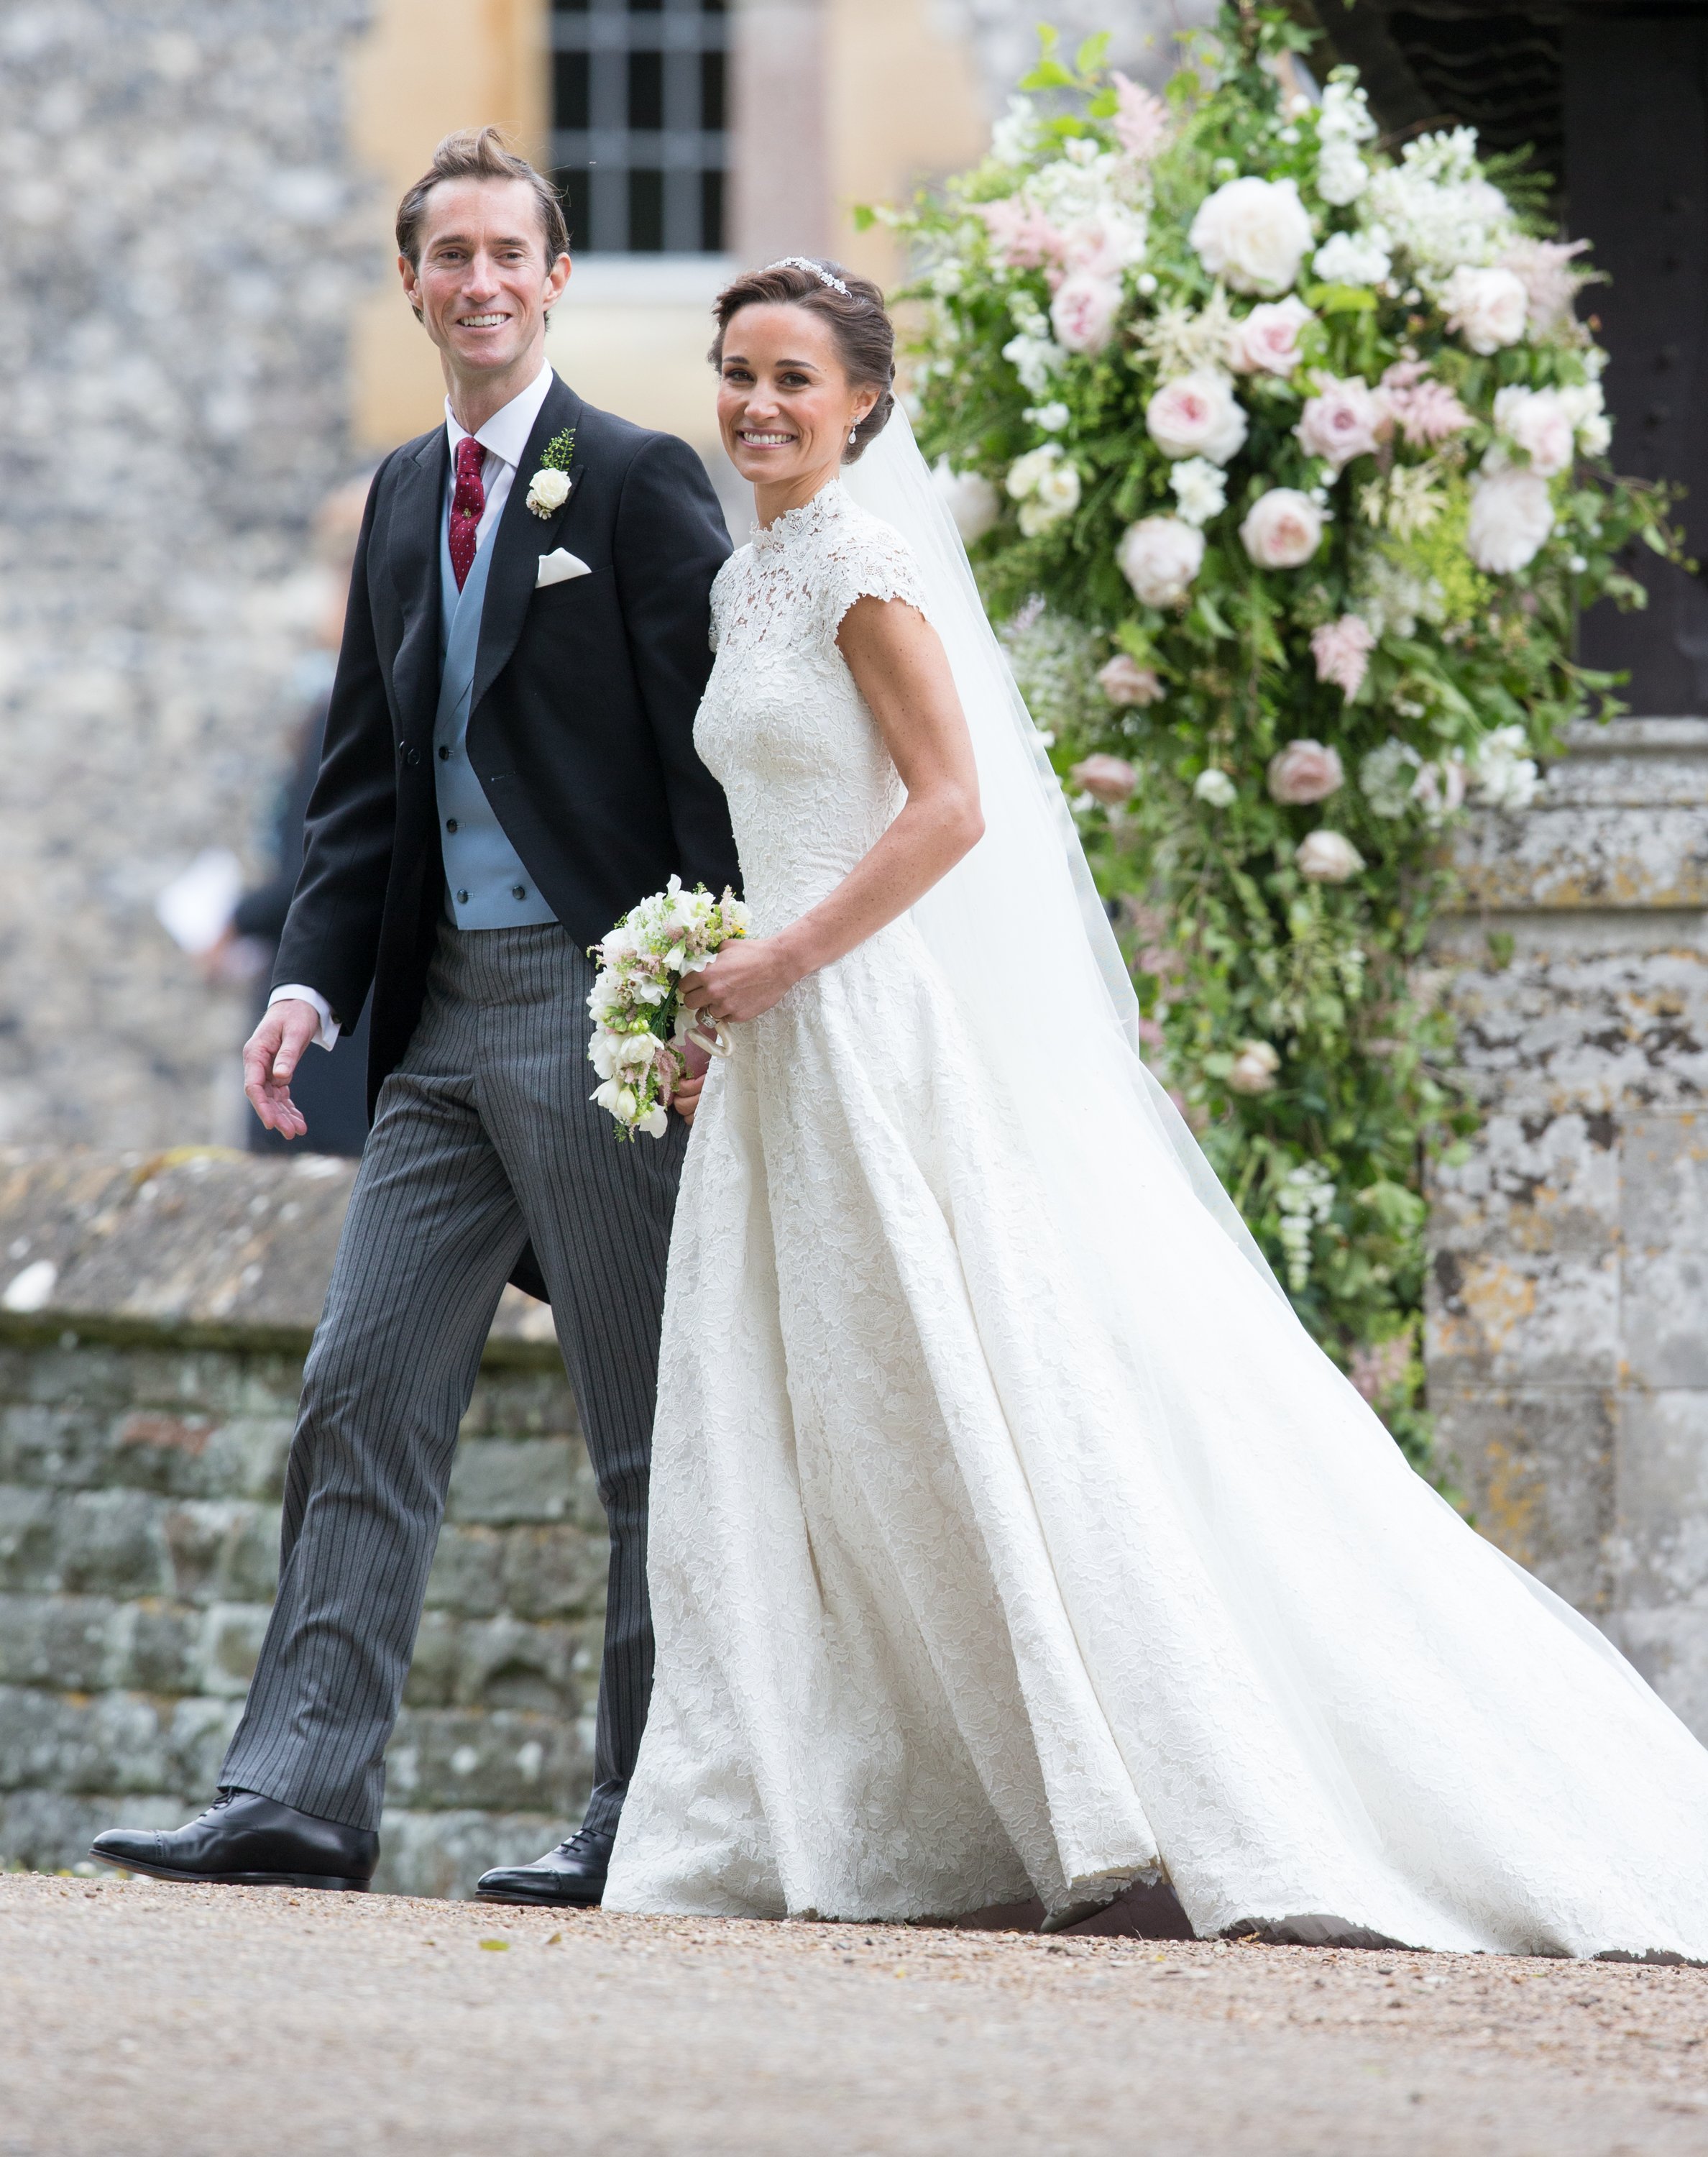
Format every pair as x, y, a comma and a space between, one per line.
486, 886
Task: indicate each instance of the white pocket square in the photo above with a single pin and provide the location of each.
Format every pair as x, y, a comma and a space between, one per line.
558, 566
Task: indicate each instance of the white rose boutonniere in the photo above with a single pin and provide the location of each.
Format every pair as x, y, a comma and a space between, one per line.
548, 489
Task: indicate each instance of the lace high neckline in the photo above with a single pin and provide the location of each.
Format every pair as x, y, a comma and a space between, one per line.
796, 523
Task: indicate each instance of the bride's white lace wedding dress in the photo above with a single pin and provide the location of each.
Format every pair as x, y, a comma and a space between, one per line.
967, 1588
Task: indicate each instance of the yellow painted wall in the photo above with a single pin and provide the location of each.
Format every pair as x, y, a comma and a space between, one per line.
903, 106
425, 68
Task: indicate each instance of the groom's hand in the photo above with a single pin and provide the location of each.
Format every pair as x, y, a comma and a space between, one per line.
687, 1097
270, 1056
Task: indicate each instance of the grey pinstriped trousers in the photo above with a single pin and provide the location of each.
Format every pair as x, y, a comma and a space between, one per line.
483, 1137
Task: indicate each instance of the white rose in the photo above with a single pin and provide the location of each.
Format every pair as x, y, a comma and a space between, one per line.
1541, 423
1054, 494
1160, 556
1196, 415
1486, 306
1215, 787
1254, 1068
1267, 340
1025, 472
1199, 489
1253, 234
1353, 258
1282, 529
1326, 856
548, 489
969, 499
1510, 518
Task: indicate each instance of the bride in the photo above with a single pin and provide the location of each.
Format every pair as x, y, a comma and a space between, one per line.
1009, 1536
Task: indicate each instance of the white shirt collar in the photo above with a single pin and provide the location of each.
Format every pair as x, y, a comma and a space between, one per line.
505, 433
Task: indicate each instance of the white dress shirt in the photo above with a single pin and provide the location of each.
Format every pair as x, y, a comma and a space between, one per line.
504, 438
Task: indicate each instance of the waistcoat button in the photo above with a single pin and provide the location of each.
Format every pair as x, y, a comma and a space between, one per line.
444, 754
462, 899
450, 823
518, 891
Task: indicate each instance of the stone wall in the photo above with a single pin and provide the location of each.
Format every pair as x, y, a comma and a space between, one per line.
153, 1315
180, 248
1567, 1346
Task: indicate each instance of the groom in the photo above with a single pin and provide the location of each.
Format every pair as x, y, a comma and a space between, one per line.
509, 766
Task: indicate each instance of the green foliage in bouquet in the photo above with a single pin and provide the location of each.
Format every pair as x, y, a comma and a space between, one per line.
1283, 464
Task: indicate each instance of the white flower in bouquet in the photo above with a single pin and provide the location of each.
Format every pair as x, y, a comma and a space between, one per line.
635, 1001
1082, 313
1180, 339
1487, 307
1343, 122
1253, 233
1325, 856
1304, 772
1511, 517
970, 498
1386, 777
1197, 416
1282, 529
1214, 785
1341, 650
1502, 774
1441, 212
1014, 138
1551, 285
1345, 419
1266, 341
1200, 489
1045, 486
1353, 258
1586, 407
1160, 556
1341, 173
1124, 681
1439, 788
1036, 360
1109, 780
1305, 1200
1051, 418
1254, 1068
1538, 422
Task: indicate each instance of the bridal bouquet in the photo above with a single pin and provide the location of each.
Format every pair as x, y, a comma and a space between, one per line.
639, 1026
1282, 456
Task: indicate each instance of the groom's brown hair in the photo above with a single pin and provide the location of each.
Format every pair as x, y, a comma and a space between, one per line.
479, 153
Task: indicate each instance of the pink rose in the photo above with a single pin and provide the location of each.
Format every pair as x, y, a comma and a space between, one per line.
1022, 236
1082, 313
1123, 681
1160, 556
1196, 415
1486, 306
1254, 1068
1109, 780
1344, 420
1282, 529
1304, 771
1551, 285
1141, 121
1267, 340
1539, 422
1324, 857
1342, 650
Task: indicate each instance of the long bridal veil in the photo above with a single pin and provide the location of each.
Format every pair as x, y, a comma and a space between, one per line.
1018, 927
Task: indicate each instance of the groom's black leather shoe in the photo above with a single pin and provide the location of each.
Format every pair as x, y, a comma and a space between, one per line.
242, 1841
572, 1876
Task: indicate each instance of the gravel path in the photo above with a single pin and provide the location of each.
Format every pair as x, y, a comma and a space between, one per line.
142, 2020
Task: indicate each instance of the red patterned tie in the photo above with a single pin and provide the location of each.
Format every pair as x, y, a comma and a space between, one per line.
467, 505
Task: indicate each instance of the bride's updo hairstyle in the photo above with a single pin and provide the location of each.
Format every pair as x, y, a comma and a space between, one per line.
853, 306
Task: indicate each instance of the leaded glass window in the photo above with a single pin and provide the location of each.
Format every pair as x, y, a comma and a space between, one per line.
638, 121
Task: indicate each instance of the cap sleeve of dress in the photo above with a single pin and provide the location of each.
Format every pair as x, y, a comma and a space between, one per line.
864, 558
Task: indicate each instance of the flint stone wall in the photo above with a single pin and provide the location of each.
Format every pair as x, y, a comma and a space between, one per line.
1567, 1340
154, 1313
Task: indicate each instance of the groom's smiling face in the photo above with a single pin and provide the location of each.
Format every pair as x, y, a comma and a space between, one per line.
483, 285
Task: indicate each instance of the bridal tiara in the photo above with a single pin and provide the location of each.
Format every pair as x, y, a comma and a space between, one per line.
818, 270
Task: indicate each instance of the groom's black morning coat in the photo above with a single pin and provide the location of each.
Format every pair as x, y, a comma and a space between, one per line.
580, 723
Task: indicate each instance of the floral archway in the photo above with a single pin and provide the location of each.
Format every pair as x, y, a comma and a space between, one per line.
1283, 459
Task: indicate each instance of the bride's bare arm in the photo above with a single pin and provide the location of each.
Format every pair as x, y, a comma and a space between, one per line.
899, 662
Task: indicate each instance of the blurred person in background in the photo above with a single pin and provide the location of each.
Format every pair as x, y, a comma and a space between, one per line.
331, 1091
